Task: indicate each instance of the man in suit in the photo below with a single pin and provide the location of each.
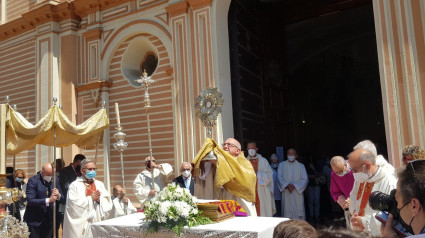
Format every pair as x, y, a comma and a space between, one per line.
68, 175
40, 198
185, 180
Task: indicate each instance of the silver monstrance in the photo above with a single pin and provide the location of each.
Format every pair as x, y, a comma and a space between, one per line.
208, 106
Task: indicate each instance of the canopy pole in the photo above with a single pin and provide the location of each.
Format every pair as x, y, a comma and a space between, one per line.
54, 180
54, 172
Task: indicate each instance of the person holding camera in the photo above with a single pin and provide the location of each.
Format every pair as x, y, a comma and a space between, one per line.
410, 197
142, 185
368, 177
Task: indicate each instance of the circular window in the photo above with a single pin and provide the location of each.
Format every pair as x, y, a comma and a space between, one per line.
140, 54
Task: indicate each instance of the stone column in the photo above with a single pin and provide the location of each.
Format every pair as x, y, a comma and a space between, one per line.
400, 41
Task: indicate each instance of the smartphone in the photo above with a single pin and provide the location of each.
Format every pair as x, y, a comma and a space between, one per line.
397, 227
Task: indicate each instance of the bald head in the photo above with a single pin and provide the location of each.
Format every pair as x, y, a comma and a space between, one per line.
232, 146
47, 169
361, 157
117, 190
338, 164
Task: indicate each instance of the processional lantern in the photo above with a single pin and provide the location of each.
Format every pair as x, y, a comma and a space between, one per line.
208, 106
145, 82
120, 145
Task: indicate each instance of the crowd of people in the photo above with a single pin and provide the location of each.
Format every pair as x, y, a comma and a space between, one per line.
377, 200
261, 187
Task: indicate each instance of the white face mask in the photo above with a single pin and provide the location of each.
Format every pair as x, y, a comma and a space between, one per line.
343, 173
252, 152
186, 173
361, 177
47, 178
346, 171
274, 166
291, 158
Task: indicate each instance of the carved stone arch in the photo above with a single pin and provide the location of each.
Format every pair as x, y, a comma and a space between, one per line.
129, 30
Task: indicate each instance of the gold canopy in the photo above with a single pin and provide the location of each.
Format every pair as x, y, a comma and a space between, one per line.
22, 135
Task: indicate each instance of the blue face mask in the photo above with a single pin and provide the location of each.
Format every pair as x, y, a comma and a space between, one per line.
90, 174
18, 180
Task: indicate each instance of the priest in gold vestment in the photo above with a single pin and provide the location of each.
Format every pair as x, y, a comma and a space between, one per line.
225, 174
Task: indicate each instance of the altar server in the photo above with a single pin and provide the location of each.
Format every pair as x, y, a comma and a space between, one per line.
293, 181
142, 185
87, 202
121, 204
265, 204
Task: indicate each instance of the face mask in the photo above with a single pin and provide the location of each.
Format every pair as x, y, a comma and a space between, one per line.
186, 173
252, 152
47, 178
343, 173
274, 166
90, 174
346, 171
18, 180
291, 157
408, 228
77, 168
361, 176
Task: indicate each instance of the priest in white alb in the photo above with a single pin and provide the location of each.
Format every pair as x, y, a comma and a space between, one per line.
87, 202
369, 177
264, 203
293, 181
142, 185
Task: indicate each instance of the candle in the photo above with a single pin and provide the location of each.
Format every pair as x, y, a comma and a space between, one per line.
117, 112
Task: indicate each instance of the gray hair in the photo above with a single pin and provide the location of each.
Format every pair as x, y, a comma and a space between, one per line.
367, 155
86, 161
337, 159
186, 163
274, 157
366, 145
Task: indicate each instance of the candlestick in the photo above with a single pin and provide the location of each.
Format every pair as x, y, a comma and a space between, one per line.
117, 112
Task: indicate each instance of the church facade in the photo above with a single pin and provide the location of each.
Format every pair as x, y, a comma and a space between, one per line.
85, 52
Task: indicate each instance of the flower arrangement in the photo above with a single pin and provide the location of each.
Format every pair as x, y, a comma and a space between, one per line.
173, 208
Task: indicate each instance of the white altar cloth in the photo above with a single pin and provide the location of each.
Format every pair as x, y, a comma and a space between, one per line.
132, 226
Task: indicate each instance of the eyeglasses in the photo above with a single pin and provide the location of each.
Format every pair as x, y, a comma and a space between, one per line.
399, 209
356, 170
91, 169
229, 145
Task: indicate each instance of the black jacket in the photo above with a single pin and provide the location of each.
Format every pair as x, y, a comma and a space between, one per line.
180, 181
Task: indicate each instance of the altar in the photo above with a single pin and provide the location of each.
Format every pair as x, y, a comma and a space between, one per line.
133, 226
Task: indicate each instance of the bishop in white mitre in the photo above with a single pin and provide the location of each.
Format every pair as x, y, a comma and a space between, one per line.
293, 181
87, 202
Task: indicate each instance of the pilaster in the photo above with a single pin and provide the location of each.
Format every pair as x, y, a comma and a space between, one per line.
48, 81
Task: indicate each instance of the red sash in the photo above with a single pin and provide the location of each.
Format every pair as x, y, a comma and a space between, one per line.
365, 199
90, 188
